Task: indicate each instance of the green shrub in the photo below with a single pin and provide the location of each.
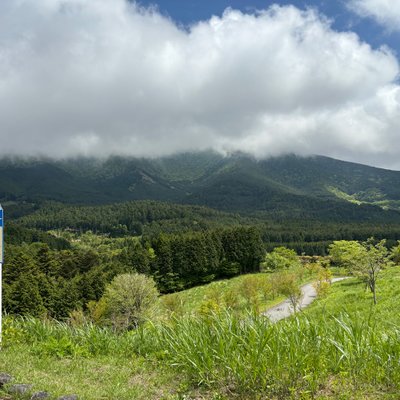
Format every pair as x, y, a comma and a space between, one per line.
128, 301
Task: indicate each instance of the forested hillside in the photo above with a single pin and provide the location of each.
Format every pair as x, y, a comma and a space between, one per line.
150, 218
290, 187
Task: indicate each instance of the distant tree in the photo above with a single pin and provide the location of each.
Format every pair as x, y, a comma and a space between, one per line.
243, 245
68, 296
24, 297
46, 261
136, 257
281, 258
22, 281
163, 265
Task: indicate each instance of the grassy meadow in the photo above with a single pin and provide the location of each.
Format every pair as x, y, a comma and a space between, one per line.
207, 346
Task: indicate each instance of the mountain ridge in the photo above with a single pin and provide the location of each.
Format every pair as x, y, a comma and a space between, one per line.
289, 185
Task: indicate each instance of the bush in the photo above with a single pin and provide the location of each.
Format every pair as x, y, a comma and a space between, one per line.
128, 301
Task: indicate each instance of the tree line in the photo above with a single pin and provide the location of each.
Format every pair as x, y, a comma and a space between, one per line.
195, 258
152, 218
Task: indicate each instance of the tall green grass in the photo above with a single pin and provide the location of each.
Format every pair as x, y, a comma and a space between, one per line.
296, 356
60, 339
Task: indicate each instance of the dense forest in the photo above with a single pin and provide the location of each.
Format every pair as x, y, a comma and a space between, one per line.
150, 218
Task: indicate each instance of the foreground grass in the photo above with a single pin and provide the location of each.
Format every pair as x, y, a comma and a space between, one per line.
292, 359
337, 349
228, 357
91, 362
95, 378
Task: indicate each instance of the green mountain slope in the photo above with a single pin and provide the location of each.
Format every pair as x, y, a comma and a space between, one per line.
321, 175
282, 187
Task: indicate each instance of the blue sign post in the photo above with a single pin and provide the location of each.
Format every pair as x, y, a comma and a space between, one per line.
1, 235
1, 270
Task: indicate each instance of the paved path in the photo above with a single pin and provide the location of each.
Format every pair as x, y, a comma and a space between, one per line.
284, 309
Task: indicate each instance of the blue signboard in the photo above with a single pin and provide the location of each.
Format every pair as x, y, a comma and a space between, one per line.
1, 235
1, 270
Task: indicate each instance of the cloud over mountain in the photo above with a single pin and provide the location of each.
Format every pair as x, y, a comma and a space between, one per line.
109, 77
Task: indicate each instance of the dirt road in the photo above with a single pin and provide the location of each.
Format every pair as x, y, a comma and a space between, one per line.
284, 309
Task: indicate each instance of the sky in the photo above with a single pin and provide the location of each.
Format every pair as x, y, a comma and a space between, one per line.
101, 77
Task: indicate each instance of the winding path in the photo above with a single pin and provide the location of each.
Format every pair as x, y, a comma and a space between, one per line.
284, 309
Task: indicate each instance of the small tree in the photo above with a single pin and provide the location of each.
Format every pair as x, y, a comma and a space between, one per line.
129, 300
369, 268
250, 291
324, 280
365, 260
289, 287
345, 252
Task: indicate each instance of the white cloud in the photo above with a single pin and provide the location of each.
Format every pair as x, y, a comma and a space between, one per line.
100, 77
385, 12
